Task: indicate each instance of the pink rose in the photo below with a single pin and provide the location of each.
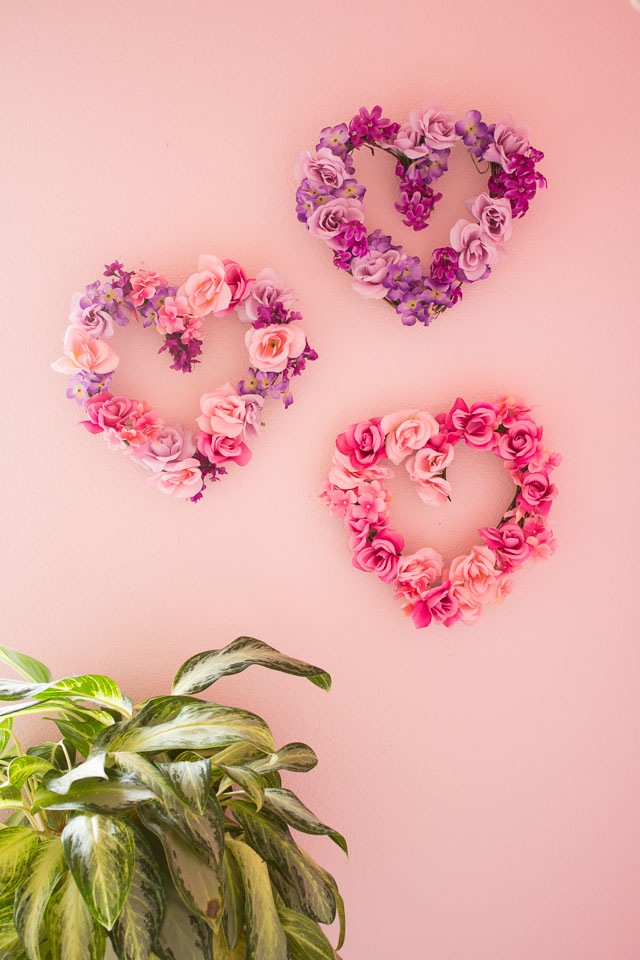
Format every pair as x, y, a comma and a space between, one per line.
238, 283
180, 479
425, 469
268, 289
406, 431
474, 581
537, 492
439, 604
142, 425
417, 572
344, 474
362, 442
437, 126
369, 272
170, 445
508, 542
494, 215
325, 169
172, 315
539, 537
360, 530
220, 449
476, 423
270, 348
207, 291
408, 141
327, 221
95, 321
521, 443
507, 139
84, 352
477, 252
223, 412
106, 412
144, 284
380, 555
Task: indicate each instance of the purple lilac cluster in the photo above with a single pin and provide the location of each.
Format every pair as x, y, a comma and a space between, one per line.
329, 201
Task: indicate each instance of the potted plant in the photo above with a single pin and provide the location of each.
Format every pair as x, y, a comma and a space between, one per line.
160, 830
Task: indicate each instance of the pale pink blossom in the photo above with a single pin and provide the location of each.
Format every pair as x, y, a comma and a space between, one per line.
507, 138
324, 169
207, 291
172, 315
494, 216
83, 352
223, 412
406, 431
437, 125
270, 348
181, 479
425, 469
477, 252
347, 476
417, 573
369, 271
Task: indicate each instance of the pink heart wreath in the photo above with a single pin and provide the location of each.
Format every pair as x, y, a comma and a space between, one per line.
181, 460
356, 491
329, 202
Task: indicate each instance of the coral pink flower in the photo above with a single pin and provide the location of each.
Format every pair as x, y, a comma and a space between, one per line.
440, 605
223, 412
337, 500
406, 431
270, 348
380, 555
417, 573
474, 581
372, 503
82, 352
106, 412
425, 469
221, 449
144, 284
207, 291
344, 474
180, 479
539, 537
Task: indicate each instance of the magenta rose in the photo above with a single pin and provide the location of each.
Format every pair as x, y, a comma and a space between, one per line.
327, 221
105, 411
477, 252
359, 529
369, 272
238, 283
508, 542
362, 442
220, 449
537, 492
494, 216
438, 605
521, 443
380, 555
476, 423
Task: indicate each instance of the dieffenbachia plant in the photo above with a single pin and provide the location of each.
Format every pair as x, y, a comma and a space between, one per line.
158, 831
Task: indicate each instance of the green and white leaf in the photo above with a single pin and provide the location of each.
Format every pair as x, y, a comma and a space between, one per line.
52, 753
116, 795
245, 778
296, 757
233, 901
45, 869
26, 667
204, 831
72, 932
17, 847
92, 768
205, 668
100, 854
305, 938
266, 939
138, 925
183, 936
68, 709
10, 798
92, 686
191, 779
184, 723
285, 804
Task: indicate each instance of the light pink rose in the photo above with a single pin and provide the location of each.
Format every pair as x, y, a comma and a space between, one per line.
171, 445
494, 216
406, 431
408, 141
239, 285
437, 126
425, 469
476, 250
345, 475
83, 352
474, 581
223, 412
144, 284
507, 139
95, 321
417, 573
327, 221
369, 272
181, 479
270, 348
267, 289
207, 291
324, 169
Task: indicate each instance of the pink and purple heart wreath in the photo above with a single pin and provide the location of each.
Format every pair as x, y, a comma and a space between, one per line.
356, 491
181, 460
329, 201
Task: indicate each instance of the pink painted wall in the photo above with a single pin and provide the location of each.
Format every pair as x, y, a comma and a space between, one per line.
486, 777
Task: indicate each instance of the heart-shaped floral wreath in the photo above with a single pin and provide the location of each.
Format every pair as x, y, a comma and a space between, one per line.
356, 491
278, 349
329, 201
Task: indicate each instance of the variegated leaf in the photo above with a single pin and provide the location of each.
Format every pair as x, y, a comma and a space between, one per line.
245, 778
17, 847
10, 798
305, 938
72, 932
100, 854
149, 774
184, 723
266, 939
52, 753
116, 795
26, 667
93, 767
94, 687
204, 831
31, 898
205, 668
21, 768
191, 778
138, 925
66, 708
296, 757
233, 902
285, 804
183, 936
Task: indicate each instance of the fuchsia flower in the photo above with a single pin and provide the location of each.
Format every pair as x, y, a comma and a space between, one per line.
440, 605
537, 492
220, 449
476, 423
521, 443
380, 554
239, 286
105, 411
144, 284
363, 443
508, 542
181, 479
84, 352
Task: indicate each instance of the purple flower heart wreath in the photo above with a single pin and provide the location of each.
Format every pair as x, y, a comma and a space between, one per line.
329, 201
179, 460
356, 490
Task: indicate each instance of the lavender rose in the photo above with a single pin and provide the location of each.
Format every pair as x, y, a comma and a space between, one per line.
328, 220
476, 251
172, 445
369, 272
95, 321
494, 215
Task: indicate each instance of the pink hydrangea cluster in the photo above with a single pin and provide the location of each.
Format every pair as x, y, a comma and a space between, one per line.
180, 461
356, 491
329, 200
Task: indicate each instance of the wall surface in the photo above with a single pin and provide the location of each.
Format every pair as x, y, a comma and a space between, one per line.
486, 777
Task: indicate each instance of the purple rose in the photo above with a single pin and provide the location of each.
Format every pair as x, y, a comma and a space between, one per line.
172, 445
381, 555
267, 290
476, 251
94, 320
521, 443
369, 272
494, 215
508, 543
324, 169
328, 220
